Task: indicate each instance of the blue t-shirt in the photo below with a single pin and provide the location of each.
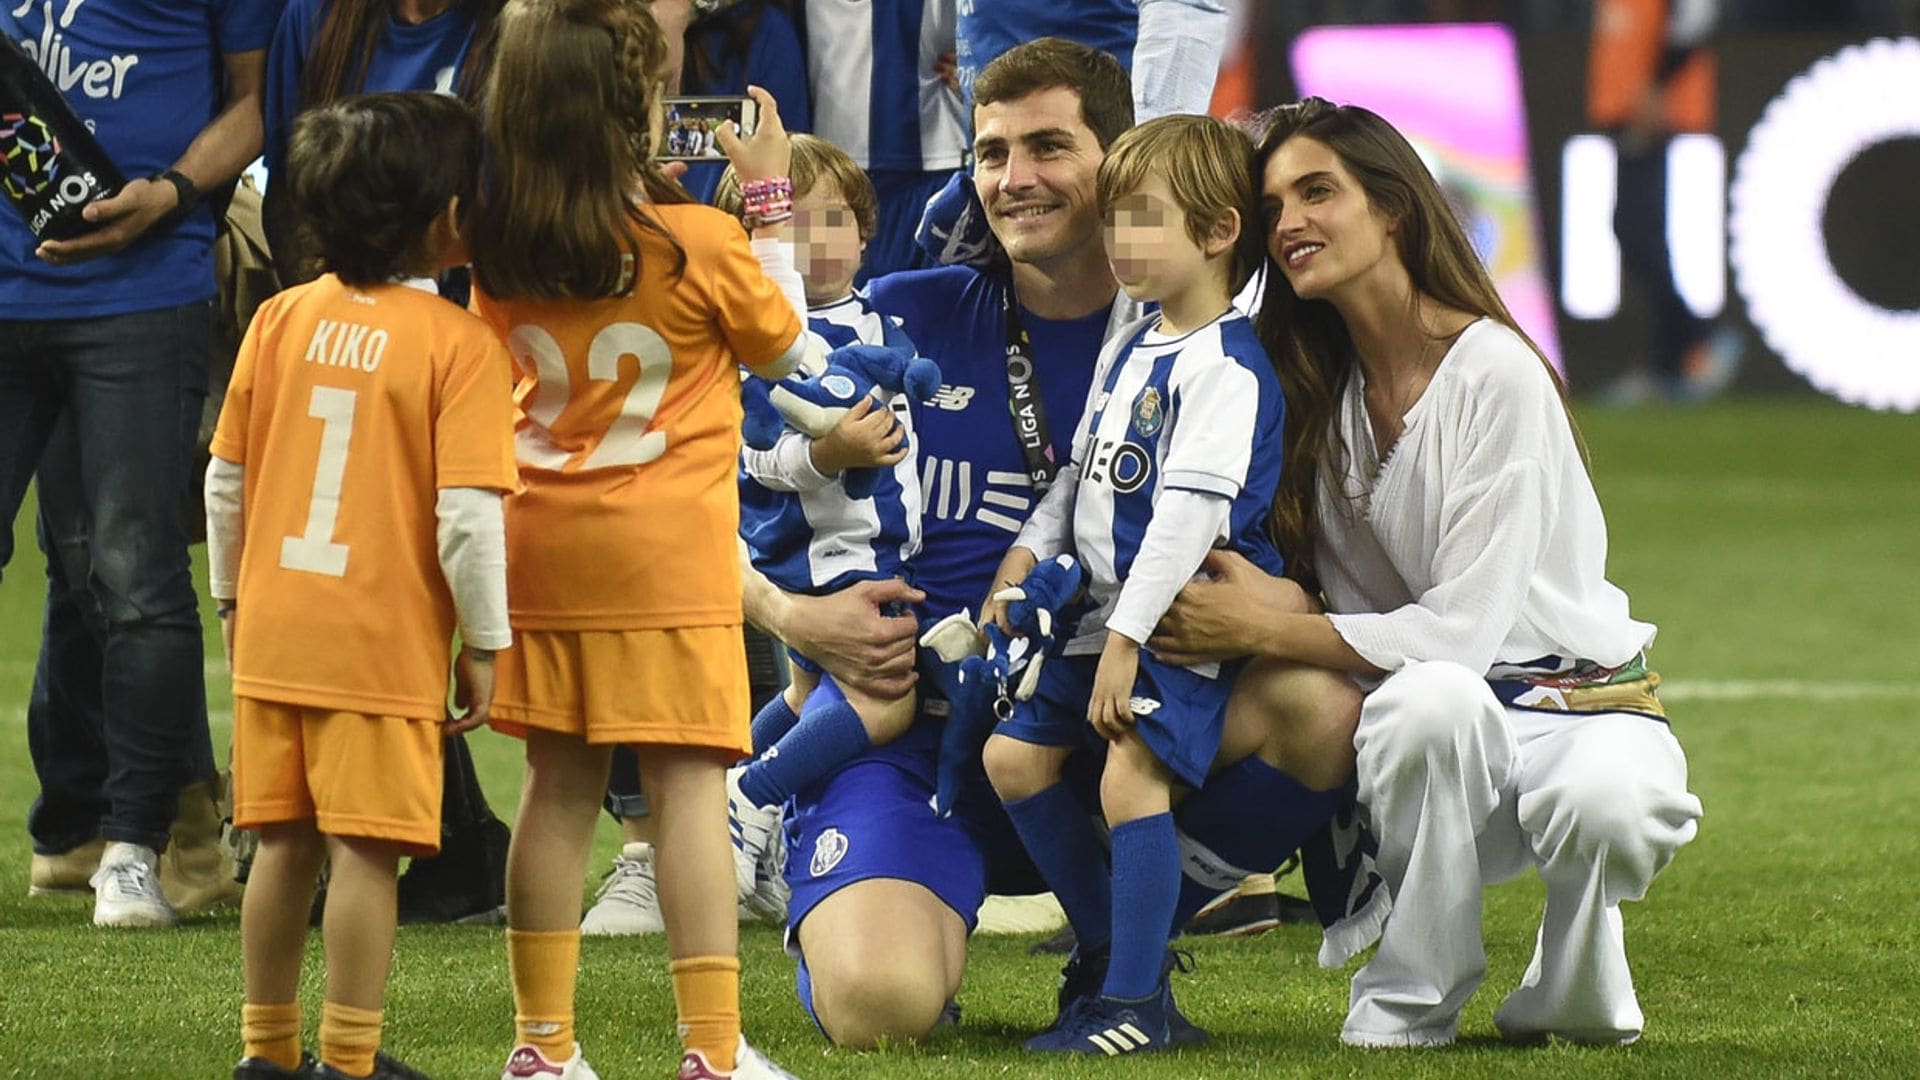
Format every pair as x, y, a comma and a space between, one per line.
429, 56
146, 76
773, 61
974, 485
991, 27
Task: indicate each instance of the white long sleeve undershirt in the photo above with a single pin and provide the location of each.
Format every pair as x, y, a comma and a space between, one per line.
807, 353
225, 483
472, 537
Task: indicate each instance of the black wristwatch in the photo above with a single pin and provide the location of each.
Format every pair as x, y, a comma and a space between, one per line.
188, 193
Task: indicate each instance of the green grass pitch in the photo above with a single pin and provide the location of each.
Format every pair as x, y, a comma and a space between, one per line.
1777, 544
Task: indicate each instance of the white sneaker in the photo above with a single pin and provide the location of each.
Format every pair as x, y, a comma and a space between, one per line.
126, 889
528, 1063
748, 1064
628, 901
753, 827
770, 894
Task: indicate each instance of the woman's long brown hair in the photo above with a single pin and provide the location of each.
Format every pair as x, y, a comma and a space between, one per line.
350, 30
567, 108
1308, 340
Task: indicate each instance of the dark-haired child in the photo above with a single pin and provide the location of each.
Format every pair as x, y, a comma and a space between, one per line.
354, 521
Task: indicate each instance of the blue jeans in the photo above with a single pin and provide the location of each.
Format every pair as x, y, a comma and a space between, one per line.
131, 387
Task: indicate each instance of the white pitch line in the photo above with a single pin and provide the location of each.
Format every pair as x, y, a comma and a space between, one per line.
1786, 690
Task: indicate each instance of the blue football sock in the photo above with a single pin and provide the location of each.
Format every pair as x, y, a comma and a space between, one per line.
1252, 816
772, 722
1146, 871
1065, 847
828, 735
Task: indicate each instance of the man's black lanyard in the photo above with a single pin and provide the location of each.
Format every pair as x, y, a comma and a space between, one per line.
1024, 405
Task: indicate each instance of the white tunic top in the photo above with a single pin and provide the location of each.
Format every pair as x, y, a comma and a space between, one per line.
1480, 539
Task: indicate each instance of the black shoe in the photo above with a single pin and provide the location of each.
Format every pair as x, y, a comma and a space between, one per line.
254, 1068
384, 1068
466, 882
1295, 911
1059, 944
1244, 915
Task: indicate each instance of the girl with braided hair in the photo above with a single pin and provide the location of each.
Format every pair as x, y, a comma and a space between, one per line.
627, 308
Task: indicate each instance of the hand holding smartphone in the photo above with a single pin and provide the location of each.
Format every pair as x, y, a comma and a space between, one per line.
691, 126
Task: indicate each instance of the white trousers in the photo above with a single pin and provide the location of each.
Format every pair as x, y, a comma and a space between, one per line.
1464, 792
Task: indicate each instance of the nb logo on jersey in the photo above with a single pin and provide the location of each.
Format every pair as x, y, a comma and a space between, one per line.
951, 491
1120, 465
1143, 706
828, 850
951, 398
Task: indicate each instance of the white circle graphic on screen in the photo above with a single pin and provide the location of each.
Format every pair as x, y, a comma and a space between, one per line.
1837, 340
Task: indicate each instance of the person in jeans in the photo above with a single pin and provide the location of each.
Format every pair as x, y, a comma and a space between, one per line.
120, 329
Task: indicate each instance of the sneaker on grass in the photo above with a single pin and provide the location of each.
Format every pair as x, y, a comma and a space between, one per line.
253, 1068
66, 872
384, 1068
748, 1064
126, 889
628, 901
528, 1063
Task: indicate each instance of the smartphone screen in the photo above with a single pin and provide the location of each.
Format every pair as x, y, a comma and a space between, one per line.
692, 125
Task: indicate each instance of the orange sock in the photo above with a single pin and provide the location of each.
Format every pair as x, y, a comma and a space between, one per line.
706, 990
544, 964
271, 1033
349, 1038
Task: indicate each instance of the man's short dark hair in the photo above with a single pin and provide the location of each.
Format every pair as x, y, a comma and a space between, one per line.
1106, 94
371, 173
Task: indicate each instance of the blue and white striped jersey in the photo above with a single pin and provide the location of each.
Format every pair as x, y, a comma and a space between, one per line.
875, 95
988, 28
801, 528
1199, 413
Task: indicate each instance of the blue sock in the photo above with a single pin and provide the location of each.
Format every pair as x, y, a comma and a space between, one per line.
1065, 847
1146, 870
772, 722
828, 735
1252, 816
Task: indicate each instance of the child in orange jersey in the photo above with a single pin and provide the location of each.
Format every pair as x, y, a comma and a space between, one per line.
628, 308
353, 518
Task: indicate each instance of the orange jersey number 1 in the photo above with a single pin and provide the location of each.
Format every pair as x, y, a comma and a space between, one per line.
626, 441
314, 550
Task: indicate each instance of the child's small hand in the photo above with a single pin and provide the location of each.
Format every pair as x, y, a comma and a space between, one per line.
226, 635
766, 153
472, 690
1014, 568
1110, 710
868, 436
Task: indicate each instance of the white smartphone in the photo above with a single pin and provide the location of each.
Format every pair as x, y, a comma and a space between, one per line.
692, 123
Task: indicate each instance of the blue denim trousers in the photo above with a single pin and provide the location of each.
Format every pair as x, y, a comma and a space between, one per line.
130, 389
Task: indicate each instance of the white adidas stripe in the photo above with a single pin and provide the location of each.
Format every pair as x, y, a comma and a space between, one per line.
1119, 1040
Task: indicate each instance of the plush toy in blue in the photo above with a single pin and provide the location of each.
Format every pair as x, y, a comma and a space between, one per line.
984, 671
815, 405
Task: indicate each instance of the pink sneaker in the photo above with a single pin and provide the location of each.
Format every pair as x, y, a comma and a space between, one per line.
748, 1064
528, 1063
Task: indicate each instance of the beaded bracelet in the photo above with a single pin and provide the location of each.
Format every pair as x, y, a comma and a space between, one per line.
766, 202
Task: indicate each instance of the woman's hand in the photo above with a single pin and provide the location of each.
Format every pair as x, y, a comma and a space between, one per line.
1227, 616
766, 153
1110, 709
849, 634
